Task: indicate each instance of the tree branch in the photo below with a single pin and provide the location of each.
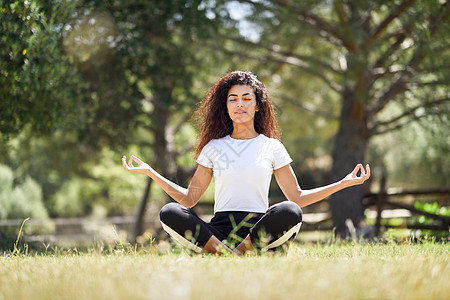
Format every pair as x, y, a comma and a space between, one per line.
407, 113
348, 37
400, 36
399, 33
392, 70
297, 63
310, 107
324, 28
319, 24
275, 49
400, 84
388, 20
388, 53
284, 60
435, 22
394, 128
307, 58
429, 83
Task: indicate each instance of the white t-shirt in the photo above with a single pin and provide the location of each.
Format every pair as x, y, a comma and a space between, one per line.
242, 171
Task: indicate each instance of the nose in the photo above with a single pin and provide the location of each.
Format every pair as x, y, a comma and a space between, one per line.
240, 103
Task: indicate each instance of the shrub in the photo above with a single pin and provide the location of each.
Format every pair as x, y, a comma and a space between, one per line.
22, 200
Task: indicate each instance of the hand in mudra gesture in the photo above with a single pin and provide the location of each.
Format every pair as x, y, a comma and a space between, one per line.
141, 168
353, 179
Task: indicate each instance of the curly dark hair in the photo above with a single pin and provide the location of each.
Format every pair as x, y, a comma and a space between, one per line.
212, 117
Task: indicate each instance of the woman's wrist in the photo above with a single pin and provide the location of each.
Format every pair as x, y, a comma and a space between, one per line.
149, 172
343, 184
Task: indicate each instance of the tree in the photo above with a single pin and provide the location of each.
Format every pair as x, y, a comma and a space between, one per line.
372, 55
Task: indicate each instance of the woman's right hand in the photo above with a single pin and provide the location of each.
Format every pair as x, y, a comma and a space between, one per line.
142, 167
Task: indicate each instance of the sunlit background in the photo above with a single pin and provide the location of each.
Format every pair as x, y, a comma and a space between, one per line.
85, 82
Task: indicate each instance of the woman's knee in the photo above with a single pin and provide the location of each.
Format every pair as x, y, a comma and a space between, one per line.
291, 211
169, 212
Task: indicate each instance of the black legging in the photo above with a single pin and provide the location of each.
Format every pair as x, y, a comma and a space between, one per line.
280, 223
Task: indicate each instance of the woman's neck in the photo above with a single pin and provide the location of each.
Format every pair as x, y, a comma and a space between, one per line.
243, 132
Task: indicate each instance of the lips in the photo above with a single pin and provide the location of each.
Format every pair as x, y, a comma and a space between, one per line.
240, 112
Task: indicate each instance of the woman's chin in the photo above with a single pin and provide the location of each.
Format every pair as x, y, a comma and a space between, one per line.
243, 123
242, 120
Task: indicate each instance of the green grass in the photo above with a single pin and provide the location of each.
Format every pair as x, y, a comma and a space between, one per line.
338, 271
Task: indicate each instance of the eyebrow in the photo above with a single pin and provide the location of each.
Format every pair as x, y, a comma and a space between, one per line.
235, 95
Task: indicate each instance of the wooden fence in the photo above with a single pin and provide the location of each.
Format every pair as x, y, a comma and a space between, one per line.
403, 200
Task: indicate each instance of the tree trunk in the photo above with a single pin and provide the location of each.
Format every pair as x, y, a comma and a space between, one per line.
349, 149
137, 226
164, 161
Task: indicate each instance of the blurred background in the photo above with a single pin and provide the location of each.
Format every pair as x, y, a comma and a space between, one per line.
83, 83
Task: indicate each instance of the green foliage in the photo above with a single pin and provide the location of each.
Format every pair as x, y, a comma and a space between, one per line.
6, 182
75, 197
423, 149
49, 160
107, 190
432, 208
21, 200
38, 84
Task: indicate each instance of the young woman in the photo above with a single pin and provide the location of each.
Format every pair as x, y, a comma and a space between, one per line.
239, 146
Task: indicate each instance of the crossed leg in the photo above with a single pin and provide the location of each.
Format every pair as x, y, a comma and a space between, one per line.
280, 223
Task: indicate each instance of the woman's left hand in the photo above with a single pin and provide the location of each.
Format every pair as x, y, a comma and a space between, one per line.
353, 179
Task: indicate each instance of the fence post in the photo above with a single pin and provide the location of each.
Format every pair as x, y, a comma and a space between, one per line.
381, 199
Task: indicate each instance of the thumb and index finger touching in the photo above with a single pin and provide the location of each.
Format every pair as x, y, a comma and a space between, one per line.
130, 161
364, 173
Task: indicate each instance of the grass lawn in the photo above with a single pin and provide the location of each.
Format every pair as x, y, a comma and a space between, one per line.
345, 271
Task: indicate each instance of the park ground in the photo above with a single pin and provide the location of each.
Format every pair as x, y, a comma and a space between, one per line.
334, 270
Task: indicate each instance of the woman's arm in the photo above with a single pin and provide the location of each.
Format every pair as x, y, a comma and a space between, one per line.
187, 197
288, 183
